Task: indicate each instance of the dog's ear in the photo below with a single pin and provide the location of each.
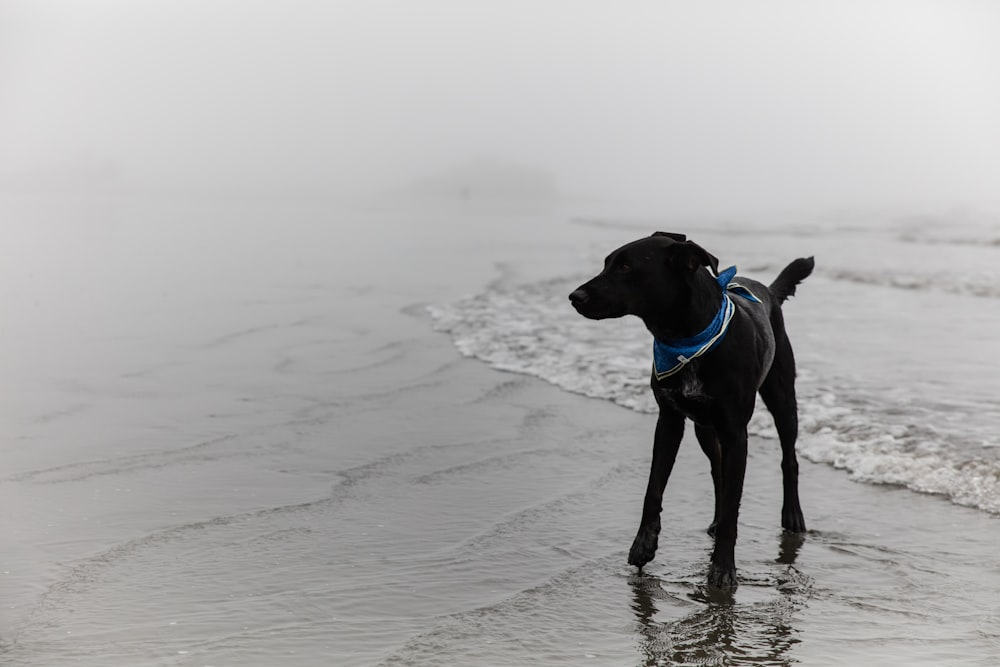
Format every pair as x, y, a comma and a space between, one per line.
690, 256
670, 235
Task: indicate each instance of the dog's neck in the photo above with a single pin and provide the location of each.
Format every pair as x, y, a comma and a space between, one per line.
692, 313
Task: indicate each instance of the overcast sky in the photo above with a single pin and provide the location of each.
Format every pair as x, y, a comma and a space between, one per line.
755, 104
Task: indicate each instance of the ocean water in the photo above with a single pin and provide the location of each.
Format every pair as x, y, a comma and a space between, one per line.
263, 432
897, 337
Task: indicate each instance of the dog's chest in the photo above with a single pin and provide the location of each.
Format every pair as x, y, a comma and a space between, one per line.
685, 392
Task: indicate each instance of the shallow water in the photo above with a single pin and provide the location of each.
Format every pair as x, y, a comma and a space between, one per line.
234, 438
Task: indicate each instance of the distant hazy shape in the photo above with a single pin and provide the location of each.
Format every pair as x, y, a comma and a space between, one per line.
489, 180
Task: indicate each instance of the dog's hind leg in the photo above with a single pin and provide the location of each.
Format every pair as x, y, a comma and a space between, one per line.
666, 441
709, 442
778, 392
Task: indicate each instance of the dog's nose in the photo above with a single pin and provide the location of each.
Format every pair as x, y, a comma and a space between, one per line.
579, 297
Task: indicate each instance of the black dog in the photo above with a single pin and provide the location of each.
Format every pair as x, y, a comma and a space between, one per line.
717, 343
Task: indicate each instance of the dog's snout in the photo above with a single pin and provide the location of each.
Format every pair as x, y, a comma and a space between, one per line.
579, 297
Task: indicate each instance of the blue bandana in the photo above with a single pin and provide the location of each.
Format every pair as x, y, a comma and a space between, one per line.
671, 356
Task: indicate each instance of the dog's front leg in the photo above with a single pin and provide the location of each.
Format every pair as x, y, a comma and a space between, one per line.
733, 441
669, 431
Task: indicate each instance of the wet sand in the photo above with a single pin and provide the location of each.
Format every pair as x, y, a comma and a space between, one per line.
468, 516
311, 475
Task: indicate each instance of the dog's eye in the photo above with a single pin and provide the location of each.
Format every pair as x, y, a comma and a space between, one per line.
625, 268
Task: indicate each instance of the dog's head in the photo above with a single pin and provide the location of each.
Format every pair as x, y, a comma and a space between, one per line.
644, 277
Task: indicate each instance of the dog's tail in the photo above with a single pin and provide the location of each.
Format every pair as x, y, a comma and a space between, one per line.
784, 285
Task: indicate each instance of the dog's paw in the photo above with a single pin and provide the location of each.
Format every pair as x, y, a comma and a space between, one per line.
792, 520
643, 547
723, 578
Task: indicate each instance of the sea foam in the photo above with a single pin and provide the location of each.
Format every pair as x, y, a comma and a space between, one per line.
531, 329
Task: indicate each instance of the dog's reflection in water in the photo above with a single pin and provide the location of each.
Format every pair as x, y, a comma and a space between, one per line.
721, 631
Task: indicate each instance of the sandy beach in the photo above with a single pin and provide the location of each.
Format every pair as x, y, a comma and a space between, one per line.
286, 463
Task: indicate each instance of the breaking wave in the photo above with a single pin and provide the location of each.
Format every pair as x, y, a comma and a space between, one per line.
531, 329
